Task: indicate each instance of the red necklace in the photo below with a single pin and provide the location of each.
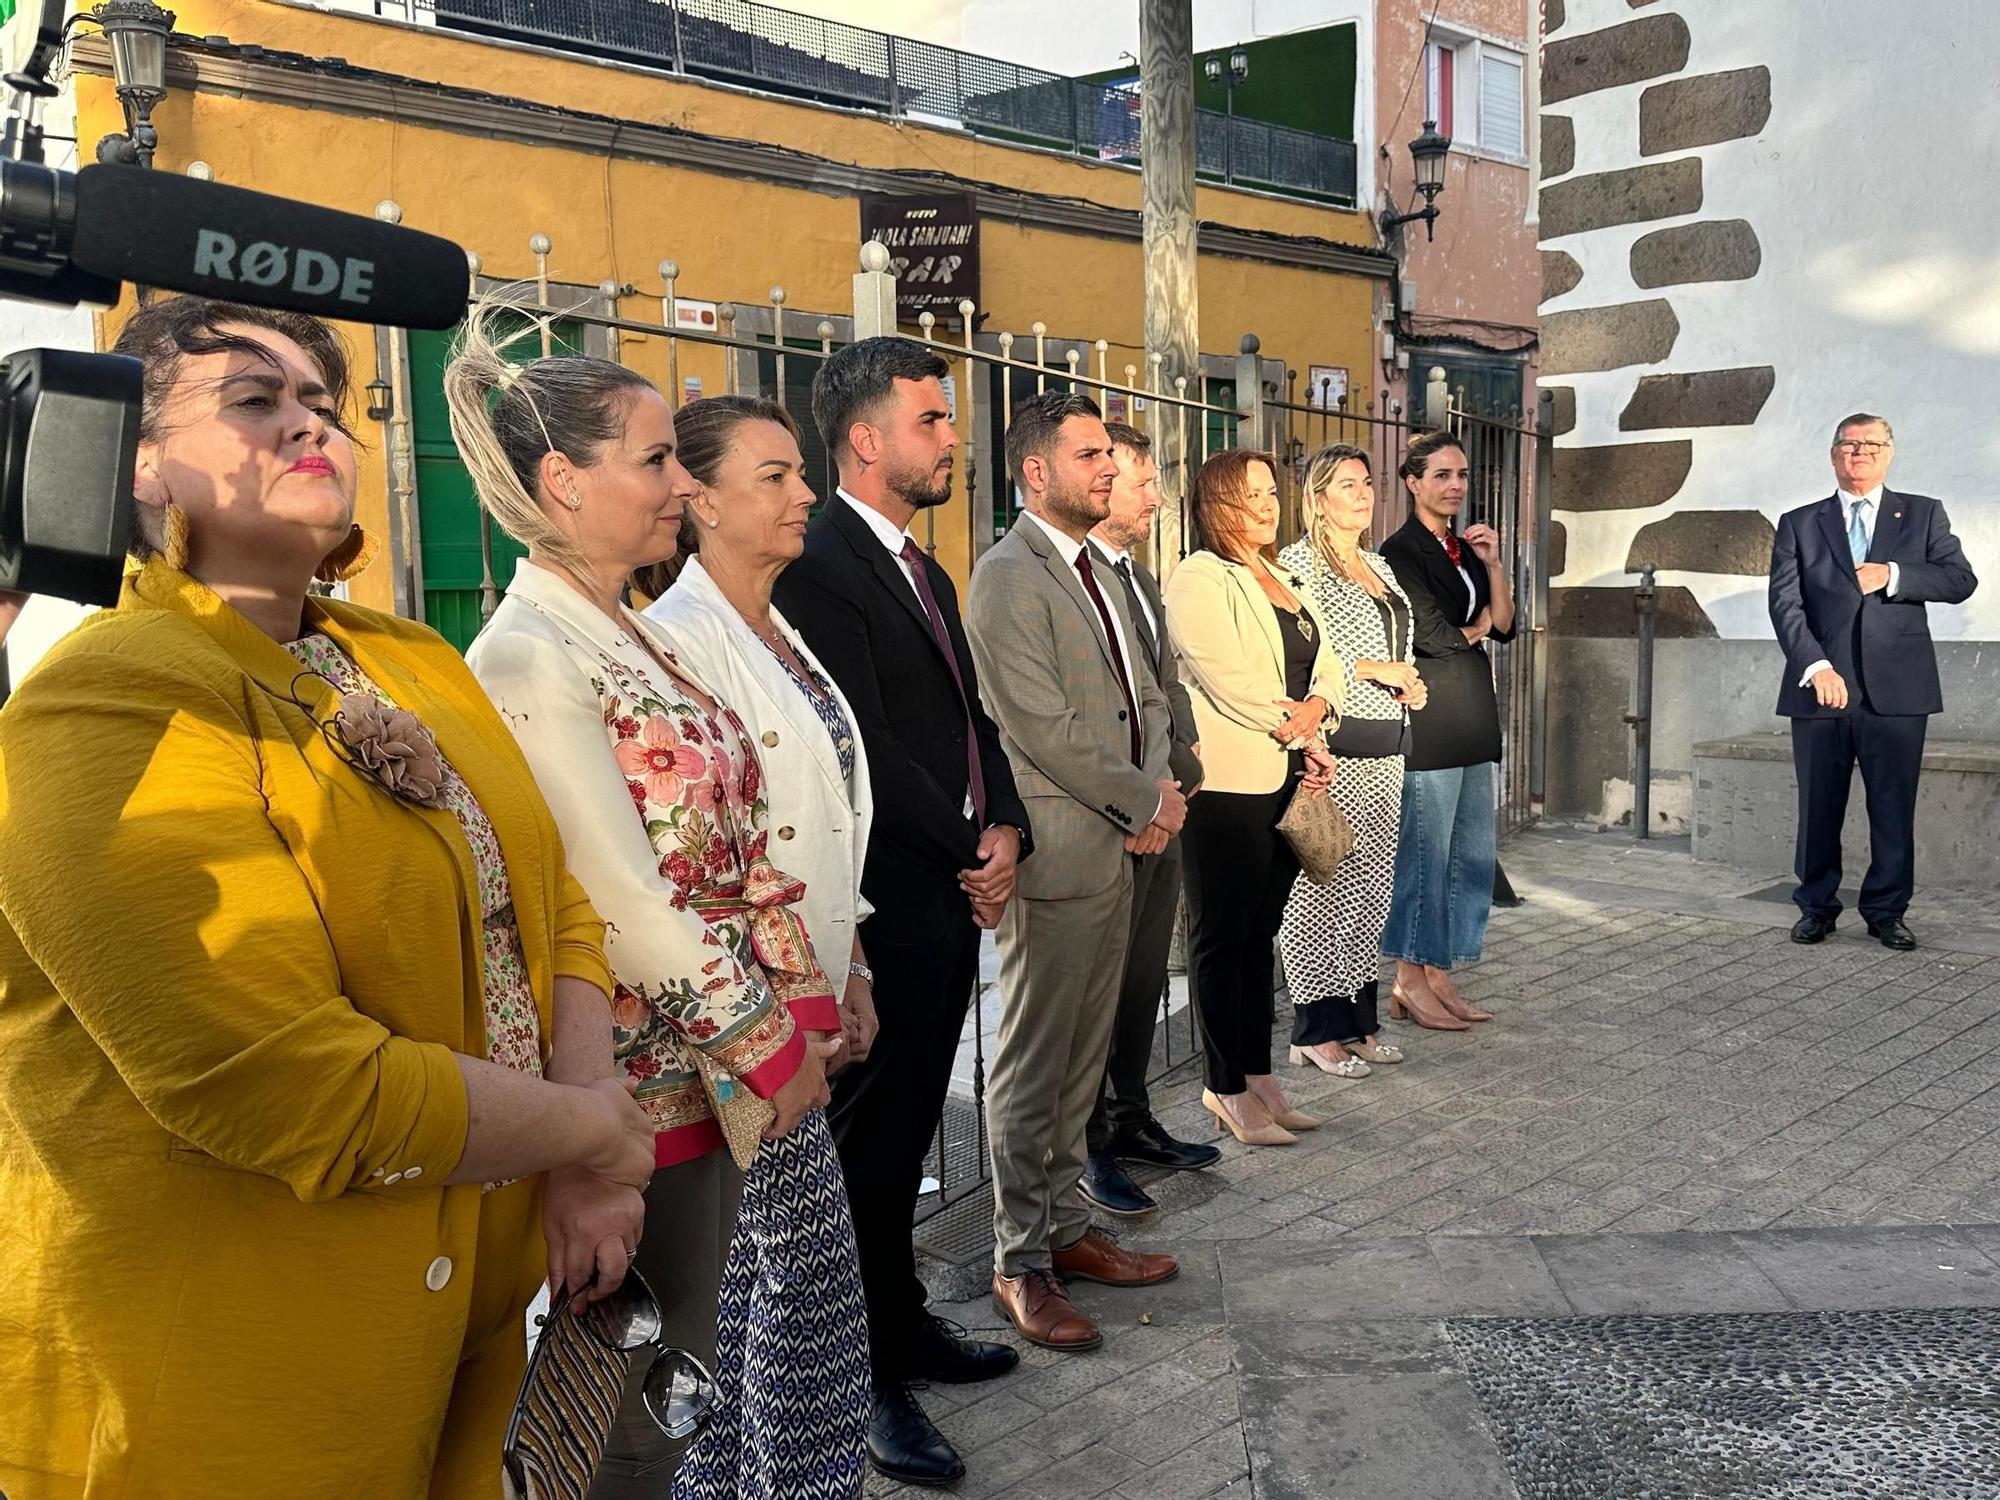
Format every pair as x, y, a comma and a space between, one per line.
1451, 546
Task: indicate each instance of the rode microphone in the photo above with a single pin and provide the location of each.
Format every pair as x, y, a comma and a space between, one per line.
175, 232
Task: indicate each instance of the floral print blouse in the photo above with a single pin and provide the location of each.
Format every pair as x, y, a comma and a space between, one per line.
819, 693
665, 825
513, 1027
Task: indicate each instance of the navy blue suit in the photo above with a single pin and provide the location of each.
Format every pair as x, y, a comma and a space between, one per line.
1881, 647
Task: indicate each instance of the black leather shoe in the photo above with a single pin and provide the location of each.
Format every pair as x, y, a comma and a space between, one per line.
1112, 1189
1152, 1146
1893, 934
1812, 928
905, 1444
941, 1351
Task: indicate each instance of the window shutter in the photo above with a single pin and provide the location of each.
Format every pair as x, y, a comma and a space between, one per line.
1501, 122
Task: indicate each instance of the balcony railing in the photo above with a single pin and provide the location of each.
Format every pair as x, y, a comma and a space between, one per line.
742, 41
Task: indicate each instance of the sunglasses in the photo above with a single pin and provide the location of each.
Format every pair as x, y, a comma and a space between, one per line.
576, 1378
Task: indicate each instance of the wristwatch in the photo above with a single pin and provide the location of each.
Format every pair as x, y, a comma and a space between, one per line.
863, 973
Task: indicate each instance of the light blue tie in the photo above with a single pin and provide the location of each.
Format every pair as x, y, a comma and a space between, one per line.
1857, 532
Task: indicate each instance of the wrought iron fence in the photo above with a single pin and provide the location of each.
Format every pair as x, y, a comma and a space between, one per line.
744, 41
774, 350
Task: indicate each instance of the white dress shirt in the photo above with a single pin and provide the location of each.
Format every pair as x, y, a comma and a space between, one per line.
1067, 549
887, 534
1113, 556
1868, 519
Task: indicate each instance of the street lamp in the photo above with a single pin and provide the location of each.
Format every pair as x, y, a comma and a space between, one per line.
1231, 79
1427, 156
381, 399
137, 31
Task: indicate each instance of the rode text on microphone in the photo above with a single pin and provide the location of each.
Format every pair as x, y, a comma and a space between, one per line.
69, 421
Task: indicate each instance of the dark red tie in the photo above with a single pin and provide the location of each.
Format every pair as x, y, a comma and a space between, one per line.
913, 561
1089, 577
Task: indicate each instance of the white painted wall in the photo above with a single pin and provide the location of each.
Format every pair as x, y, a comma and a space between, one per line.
1880, 287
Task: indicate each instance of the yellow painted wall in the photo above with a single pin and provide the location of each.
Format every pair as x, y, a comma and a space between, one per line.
732, 239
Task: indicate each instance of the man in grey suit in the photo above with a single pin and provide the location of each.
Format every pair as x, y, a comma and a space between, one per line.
1122, 1127
1087, 732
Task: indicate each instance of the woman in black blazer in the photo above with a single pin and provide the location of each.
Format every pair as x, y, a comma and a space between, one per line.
1445, 851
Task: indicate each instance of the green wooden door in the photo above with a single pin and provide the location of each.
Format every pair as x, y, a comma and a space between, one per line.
448, 515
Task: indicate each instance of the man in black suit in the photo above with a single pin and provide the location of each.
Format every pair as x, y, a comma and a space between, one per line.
949, 829
1850, 576
1122, 1125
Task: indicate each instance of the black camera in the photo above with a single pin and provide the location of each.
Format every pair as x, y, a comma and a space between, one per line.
69, 421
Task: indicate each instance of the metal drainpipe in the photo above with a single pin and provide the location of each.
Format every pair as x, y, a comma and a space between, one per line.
1645, 602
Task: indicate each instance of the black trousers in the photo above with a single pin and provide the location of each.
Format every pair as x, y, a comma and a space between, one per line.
1889, 748
1123, 1107
885, 1116
1239, 874
1339, 1018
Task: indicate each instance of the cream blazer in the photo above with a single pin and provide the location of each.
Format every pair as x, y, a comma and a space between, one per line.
820, 818
1234, 661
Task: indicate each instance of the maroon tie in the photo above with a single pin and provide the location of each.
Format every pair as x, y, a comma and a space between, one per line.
913, 560
1084, 570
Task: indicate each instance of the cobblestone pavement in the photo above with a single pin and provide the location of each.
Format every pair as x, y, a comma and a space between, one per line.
1669, 1086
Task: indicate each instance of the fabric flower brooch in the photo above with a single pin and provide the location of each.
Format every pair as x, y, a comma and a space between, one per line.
392, 747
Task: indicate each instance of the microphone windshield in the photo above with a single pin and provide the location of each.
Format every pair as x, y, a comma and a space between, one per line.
186, 235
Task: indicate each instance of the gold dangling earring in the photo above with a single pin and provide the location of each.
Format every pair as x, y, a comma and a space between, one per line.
174, 537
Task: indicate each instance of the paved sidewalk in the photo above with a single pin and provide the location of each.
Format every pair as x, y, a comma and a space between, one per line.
1677, 1113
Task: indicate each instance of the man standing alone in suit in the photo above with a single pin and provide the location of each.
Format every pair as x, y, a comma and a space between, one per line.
940, 867
1850, 576
1122, 1125
1087, 736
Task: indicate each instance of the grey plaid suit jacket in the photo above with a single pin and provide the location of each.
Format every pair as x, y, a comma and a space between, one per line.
1046, 675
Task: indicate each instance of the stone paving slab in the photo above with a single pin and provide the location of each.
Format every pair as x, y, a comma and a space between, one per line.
1676, 1112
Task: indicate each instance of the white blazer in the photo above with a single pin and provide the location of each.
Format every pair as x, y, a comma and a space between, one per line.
802, 781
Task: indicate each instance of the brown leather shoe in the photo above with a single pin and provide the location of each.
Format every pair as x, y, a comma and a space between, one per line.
1038, 1307
1098, 1257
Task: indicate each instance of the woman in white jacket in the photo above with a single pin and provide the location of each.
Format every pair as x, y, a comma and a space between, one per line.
745, 526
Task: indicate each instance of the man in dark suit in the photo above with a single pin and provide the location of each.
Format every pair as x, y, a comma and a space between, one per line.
1850, 576
1122, 1125
949, 829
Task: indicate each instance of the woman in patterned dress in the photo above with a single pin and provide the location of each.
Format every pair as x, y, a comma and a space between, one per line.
304, 1041
1332, 934
719, 1001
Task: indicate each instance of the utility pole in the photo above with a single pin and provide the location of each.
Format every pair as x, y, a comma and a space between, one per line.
1166, 162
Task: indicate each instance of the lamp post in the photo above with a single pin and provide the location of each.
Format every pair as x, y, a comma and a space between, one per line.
1427, 156
137, 31
1231, 78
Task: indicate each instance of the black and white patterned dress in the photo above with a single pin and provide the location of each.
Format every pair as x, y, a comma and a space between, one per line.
1331, 937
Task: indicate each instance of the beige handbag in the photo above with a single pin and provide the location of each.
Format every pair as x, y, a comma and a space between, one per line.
1317, 830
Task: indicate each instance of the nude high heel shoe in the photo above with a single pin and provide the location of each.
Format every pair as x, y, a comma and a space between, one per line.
1449, 997
1267, 1134
1427, 1013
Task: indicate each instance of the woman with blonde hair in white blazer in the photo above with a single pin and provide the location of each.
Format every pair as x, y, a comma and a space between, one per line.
1266, 689
746, 525
722, 1015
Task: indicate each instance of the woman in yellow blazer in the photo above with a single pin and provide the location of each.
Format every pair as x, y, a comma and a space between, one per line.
1266, 689
296, 996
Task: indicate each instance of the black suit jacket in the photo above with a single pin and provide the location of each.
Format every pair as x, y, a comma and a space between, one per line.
1460, 725
1165, 665
855, 607
1880, 646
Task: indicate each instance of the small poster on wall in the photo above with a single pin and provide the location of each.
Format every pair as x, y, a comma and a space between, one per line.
1326, 387
933, 242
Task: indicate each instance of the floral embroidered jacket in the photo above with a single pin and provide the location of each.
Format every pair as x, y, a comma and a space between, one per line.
663, 818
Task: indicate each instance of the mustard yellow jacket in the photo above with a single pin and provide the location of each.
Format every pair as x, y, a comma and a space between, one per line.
233, 973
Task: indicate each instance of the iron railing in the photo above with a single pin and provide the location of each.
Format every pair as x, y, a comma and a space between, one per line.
774, 350
831, 62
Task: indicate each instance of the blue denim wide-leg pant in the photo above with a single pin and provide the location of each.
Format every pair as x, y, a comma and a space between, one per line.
1444, 867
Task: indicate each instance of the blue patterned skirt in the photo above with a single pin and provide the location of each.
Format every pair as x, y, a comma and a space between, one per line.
791, 1420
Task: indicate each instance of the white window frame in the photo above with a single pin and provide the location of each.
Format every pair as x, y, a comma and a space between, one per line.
1471, 49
